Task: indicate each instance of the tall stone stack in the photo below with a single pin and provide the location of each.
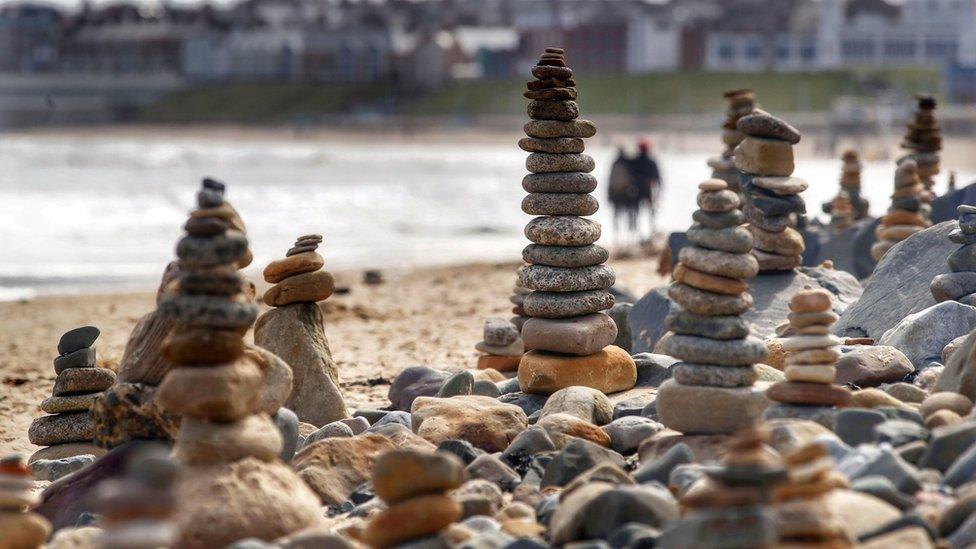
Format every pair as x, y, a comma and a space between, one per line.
960, 284
803, 517
741, 103
848, 206
70, 429
294, 329
771, 196
923, 140
228, 447
571, 335
708, 334
19, 528
908, 213
501, 346
809, 391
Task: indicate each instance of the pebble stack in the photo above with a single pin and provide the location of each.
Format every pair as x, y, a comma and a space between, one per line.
136, 509
848, 206
960, 284
414, 485
518, 299
708, 335
741, 103
501, 346
771, 196
803, 517
19, 528
923, 141
810, 364
299, 276
908, 213
568, 333
79, 383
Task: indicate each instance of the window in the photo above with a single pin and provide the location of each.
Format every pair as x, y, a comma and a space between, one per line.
857, 49
808, 52
899, 49
726, 52
753, 50
782, 52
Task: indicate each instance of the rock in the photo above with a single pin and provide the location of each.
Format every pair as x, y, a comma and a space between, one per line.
529, 403
277, 378
83, 380
921, 336
886, 463
858, 512
222, 393
620, 313
494, 470
482, 421
595, 511
399, 475
203, 442
763, 124
574, 459
563, 428
259, 500
959, 374
461, 383
659, 470
67, 450
728, 410
946, 400
335, 467
947, 444
906, 392
560, 204
566, 304
582, 335
870, 366
53, 469
413, 382
305, 288
61, 428
546, 129
770, 157
875, 398
562, 230
142, 361
534, 440
585, 403
952, 347
627, 433
287, 423
499, 332
77, 339
296, 334
701, 350
883, 489
565, 256
856, 426
609, 371
82, 358
23, 530
417, 518
653, 370
306, 262
72, 403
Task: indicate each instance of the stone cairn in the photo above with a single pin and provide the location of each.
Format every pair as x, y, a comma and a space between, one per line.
730, 508
136, 509
803, 517
809, 391
771, 196
908, 213
415, 485
19, 528
741, 103
568, 333
295, 331
70, 428
708, 335
501, 346
848, 206
923, 141
960, 284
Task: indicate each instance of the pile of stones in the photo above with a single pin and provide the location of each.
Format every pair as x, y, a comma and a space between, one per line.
501, 346
70, 428
908, 213
569, 335
802, 515
848, 206
518, 299
415, 485
299, 278
708, 334
771, 196
960, 284
19, 528
809, 392
923, 140
741, 103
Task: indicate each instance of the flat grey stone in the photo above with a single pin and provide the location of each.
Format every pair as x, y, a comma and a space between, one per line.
565, 256
203, 252
731, 352
53, 469
560, 204
561, 279
701, 302
921, 336
687, 373
77, 339
548, 163
731, 239
714, 327
718, 220
553, 110
556, 128
567, 304
499, 331
562, 230
557, 145
763, 124
559, 182
461, 383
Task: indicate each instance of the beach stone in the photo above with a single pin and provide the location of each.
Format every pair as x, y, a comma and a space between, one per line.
922, 335
53, 469
947, 444
77, 339
771, 223
61, 428
810, 373
729, 409
203, 252
875, 398
559, 182
719, 263
780, 185
413, 382
751, 526
952, 346
560, 204
660, 468
946, 400
870, 366
583, 402
203, 442
296, 334
610, 370
706, 303
794, 392
566, 304
888, 464
336, 429
461, 383
23, 530
763, 124
307, 287
707, 282
549, 163
729, 239
618, 314
687, 373
899, 432
612, 509
489, 472
786, 242
402, 474
73, 403
959, 374
562, 230
276, 271
718, 220
547, 129
66, 450
627, 433
83, 380
570, 145
277, 378
221, 393
202, 346
582, 335
562, 428
714, 327
963, 259
858, 512
883, 489
82, 358
409, 520
287, 423
565, 256
210, 311
128, 411
733, 352
764, 156
553, 110
482, 421
560, 279
575, 458
718, 201
906, 392
335, 467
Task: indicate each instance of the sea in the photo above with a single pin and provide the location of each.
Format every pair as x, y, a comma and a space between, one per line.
101, 213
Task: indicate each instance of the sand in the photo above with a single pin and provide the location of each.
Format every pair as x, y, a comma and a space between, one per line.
429, 316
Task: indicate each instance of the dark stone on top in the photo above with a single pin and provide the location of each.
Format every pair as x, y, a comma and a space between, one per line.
413, 382
77, 339
763, 124
209, 198
212, 184
295, 250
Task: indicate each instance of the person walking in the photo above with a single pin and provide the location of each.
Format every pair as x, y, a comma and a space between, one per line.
647, 179
623, 195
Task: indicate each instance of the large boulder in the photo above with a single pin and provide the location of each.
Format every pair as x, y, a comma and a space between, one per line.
944, 207
296, 333
864, 238
921, 336
841, 248
771, 294
959, 374
480, 420
900, 283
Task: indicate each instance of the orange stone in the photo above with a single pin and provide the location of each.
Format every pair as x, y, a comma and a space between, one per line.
306, 262
414, 518
610, 371
708, 282
500, 363
796, 392
303, 288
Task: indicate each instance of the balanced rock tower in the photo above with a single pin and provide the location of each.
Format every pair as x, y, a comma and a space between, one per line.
741, 103
19, 528
294, 329
803, 516
809, 392
848, 206
771, 196
923, 141
501, 346
960, 284
908, 213
70, 428
708, 334
568, 334
233, 486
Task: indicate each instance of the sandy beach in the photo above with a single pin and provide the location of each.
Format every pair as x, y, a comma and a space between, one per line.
430, 316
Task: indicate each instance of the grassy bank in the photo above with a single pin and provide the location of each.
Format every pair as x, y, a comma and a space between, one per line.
651, 94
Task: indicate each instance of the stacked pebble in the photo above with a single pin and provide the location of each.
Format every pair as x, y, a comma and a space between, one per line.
908, 213
136, 509
924, 140
772, 202
960, 284
299, 276
518, 298
802, 516
741, 103
415, 485
810, 364
19, 528
565, 271
78, 384
501, 346
708, 334
850, 181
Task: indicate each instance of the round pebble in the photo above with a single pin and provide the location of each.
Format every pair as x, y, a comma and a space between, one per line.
553, 110
719, 263
565, 256
562, 230
688, 373
547, 129
567, 304
702, 350
559, 145
560, 279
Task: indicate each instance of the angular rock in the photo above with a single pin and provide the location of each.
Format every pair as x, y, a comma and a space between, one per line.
922, 335
482, 421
